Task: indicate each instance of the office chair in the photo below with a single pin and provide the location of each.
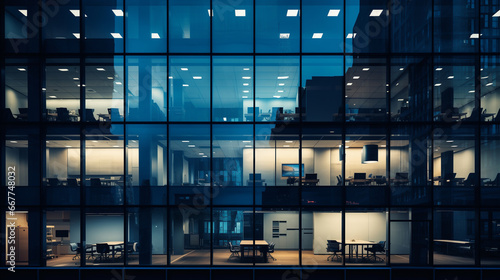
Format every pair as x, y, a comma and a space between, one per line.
54, 182
89, 115
7, 115
114, 114
333, 246
471, 180
271, 250
62, 115
235, 250
103, 250
72, 182
75, 249
495, 182
376, 248
95, 182
497, 117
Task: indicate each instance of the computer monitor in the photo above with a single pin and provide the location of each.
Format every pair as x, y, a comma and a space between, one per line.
360, 176
311, 176
62, 233
291, 170
255, 177
401, 175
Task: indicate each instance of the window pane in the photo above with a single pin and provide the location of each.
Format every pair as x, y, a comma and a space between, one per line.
61, 33
103, 26
322, 26
366, 26
232, 24
62, 82
455, 28
189, 26
277, 26
146, 26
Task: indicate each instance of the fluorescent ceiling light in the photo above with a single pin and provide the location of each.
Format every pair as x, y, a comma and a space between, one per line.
292, 12
376, 12
246, 78
191, 146
349, 84
170, 77
356, 77
240, 13
201, 154
485, 77
76, 13
401, 99
197, 77
288, 141
118, 83
184, 69
155, 36
497, 14
449, 141
450, 77
333, 13
185, 141
118, 12
110, 78
245, 84
210, 13
351, 35
246, 141
286, 146
21, 69
116, 35
437, 85
454, 146
205, 156
77, 35
244, 96
68, 146
53, 96
63, 69
281, 84
100, 69
284, 35
472, 91
489, 84
439, 69
246, 91
185, 85
474, 36
401, 69
14, 143
248, 146
276, 96
280, 91
366, 69
24, 12
246, 69
317, 35
282, 77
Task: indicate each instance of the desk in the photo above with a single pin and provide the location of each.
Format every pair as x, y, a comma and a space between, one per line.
355, 244
248, 245
455, 245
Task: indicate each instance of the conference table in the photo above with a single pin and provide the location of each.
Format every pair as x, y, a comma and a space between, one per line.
451, 246
354, 246
113, 247
252, 246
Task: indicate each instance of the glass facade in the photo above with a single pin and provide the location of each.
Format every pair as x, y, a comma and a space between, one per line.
238, 137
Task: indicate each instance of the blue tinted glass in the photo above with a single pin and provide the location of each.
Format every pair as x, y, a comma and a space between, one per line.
322, 26
146, 26
232, 24
277, 26
103, 25
147, 88
62, 31
411, 26
455, 26
189, 25
366, 26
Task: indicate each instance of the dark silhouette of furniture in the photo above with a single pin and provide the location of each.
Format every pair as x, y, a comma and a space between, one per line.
235, 250
380, 180
333, 246
54, 182
471, 180
376, 248
257, 178
62, 115
495, 182
7, 115
359, 179
89, 115
401, 178
75, 249
103, 250
72, 182
276, 114
271, 250
114, 115
23, 114
311, 179
95, 182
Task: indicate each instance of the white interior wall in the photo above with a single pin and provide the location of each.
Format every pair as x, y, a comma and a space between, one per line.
104, 228
463, 164
15, 100
354, 165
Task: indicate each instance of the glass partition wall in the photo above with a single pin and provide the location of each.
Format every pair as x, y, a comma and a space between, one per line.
252, 133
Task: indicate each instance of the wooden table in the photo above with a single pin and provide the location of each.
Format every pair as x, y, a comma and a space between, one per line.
251, 245
355, 244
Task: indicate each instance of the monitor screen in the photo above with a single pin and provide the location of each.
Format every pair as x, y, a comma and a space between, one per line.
360, 176
311, 176
291, 170
62, 233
